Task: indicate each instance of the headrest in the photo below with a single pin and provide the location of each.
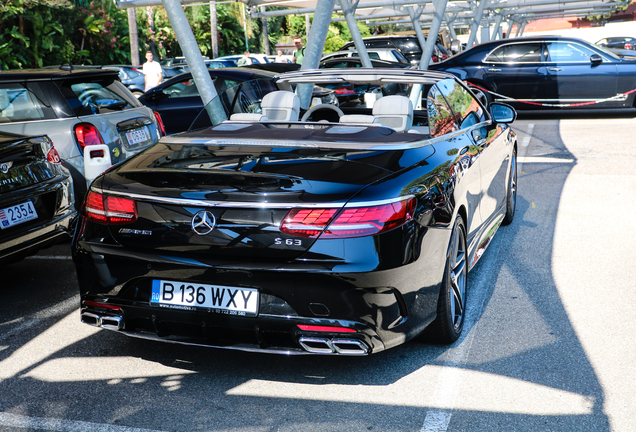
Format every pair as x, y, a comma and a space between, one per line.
395, 112
248, 117
281, 105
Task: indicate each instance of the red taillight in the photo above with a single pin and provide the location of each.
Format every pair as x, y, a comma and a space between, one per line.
325, 329
162, 128
628, 46
87, 135
108, 209
53, 156
307, 222
350, 222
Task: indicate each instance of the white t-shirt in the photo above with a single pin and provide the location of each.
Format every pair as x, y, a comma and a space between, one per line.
153, 73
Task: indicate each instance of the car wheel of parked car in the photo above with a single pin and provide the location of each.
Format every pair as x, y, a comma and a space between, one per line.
451, 305
511, 196
137, 93
483, 96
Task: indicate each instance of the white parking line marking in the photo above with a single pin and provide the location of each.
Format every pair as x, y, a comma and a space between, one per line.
61, 425
524, 144
543, 160
449, 380
526, 140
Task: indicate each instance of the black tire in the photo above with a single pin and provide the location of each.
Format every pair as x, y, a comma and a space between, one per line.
511, 191
482, 96
451, 305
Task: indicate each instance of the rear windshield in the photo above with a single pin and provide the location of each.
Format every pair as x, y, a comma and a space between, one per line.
18, 104
97, 95
408, 45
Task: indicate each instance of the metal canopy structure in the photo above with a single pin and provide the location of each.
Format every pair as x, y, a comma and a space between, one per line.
418, 14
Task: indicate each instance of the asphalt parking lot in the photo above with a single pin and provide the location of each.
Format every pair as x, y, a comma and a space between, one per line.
547, 344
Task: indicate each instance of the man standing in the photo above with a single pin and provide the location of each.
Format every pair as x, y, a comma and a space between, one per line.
299, 52
152, 71
245, 60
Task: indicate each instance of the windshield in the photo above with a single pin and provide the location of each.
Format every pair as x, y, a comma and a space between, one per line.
244, 98
607, 52
244, 102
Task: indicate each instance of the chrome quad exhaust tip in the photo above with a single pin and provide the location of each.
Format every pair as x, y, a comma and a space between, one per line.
316, 345
105, 322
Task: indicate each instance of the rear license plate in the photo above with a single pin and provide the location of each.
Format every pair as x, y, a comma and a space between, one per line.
137, 136
188, 296
14, 215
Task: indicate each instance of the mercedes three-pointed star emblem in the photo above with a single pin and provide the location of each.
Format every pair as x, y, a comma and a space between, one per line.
203, 223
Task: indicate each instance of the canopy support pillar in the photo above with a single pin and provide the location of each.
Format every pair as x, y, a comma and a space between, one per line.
315, 45
348, 8
479, 13
193, 56
436, 24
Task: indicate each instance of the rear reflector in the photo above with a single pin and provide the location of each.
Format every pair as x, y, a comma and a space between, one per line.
348, 222
53, 156
108, 209
325, 329
102, 305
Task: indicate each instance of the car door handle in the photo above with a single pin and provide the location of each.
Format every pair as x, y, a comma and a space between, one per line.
556, 69
494, 70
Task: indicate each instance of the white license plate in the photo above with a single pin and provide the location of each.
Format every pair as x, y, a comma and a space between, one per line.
187, 296
137, 136
14, 215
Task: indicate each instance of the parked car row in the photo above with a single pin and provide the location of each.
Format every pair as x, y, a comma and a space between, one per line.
64, 127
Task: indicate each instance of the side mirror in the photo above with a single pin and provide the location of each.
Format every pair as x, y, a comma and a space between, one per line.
595, 58
502, 113
155, 94
456, 46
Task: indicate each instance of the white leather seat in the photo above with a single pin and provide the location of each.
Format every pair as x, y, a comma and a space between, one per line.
281, 106
395, 112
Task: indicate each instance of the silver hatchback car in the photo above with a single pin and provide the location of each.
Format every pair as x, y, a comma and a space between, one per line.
90, 116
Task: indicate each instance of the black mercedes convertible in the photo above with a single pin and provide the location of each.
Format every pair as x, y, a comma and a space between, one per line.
328, 230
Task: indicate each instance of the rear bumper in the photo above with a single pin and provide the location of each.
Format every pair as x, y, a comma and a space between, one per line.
267, 334
21, 241
40, 238
385, 307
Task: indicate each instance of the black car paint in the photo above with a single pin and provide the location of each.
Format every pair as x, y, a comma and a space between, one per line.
546, 82
27, 175
357, 283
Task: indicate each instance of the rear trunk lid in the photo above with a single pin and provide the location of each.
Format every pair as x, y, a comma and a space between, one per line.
222, 200
23, 162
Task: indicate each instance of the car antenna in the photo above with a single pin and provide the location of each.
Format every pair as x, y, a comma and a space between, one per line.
67, 66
